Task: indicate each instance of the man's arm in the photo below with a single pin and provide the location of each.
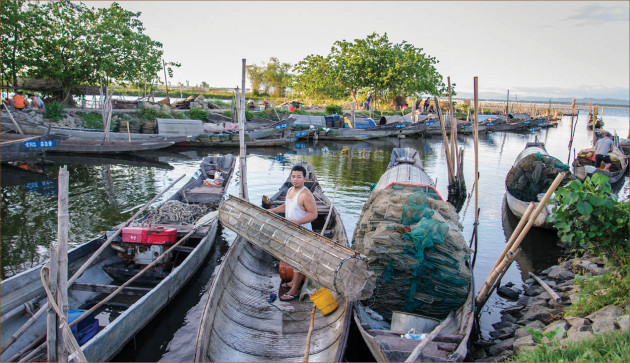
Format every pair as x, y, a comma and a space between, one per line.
279, 209
309, 206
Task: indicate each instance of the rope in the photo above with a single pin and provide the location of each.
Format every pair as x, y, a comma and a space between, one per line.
69, 340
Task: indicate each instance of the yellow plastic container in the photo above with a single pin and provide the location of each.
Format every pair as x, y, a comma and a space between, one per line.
324, 300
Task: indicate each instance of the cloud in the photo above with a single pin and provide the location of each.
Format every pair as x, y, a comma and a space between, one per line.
594, 14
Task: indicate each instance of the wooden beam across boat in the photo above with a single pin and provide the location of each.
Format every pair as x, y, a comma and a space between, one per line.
84, 286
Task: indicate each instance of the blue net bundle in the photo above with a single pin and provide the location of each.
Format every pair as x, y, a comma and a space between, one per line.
533, 175
417, 251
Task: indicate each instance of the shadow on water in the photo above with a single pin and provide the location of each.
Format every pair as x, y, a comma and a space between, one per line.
540, 247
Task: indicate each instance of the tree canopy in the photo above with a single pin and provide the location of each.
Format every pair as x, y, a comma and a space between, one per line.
273, 76
67, 41
372, 64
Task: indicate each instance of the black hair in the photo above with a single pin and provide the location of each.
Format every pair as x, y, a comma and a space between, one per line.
299, 168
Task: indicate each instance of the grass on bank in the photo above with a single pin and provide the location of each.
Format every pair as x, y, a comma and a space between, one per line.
607, 347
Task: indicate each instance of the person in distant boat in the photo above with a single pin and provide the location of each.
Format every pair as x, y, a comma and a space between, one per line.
300, 208
18, 101
431, 109
604, 146
426, 105
250, 104
36, 102
265, 103
367, 101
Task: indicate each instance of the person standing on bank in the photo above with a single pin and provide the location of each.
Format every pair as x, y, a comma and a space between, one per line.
300, 208
604, 146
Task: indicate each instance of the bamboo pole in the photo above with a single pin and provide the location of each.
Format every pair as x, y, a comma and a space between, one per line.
510, 258
243, 147
453, 143
532, 218
307, 347
37, 341
51, 316
547, 288
476, 138
62, 256
595, 126
128, 132
84, 267
515, 233
507, 105
20, 140
413, 111
444, 141
429, 338
17, 126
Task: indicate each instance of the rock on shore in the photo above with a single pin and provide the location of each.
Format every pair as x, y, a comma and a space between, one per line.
536, 309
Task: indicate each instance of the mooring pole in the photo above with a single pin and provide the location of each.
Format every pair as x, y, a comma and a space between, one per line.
476, 131
241, 126
62, 256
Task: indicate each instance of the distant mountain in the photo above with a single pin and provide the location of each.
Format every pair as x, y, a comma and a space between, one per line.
491, 96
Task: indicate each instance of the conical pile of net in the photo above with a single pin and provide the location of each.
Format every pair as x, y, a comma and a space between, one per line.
533, 175
416, 250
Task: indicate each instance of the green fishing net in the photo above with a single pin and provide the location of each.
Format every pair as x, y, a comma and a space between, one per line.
533, 175
417, 251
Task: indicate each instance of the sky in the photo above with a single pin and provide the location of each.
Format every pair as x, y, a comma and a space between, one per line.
532, 48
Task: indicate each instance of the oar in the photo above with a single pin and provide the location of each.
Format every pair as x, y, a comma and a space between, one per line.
307, 348
200, 223
77, 274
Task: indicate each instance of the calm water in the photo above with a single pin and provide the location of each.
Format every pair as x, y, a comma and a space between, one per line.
107, 191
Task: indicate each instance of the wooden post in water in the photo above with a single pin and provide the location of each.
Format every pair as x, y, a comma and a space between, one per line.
572, 108
594, 126
476, 185
413, 110
62, 254
52, 322
453, 143
507, 106
241, 126
444, 141
354, 106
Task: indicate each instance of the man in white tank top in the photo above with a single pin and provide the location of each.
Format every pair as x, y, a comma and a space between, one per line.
299, 208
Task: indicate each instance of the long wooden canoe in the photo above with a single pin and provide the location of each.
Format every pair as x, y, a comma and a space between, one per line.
442, 339
239, 323
125, 315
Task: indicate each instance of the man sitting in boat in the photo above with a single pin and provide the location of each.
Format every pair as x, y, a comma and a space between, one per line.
604, 146
300, 208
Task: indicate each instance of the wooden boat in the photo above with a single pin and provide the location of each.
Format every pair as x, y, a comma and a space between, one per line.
444, 326
584, 164
82, 133
126, 314
73, 144
13, 148
239, 323
230, 142
518, 199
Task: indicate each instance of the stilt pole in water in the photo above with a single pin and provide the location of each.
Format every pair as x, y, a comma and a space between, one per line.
243, 151
62, 256
476, 132
594, 127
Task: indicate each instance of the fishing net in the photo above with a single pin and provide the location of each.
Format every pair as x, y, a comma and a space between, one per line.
533, 175
176, 212
416, 249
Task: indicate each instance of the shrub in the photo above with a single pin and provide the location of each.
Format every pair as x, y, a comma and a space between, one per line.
331, 109
602, 222
198, 114
150, 114
55, 111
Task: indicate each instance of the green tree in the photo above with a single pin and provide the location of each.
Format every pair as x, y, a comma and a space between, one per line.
255, 75
272, 76
371, 64
15, 37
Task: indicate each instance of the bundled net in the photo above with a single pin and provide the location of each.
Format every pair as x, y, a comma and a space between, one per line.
587, 157
533, 175
416, 250
176, 212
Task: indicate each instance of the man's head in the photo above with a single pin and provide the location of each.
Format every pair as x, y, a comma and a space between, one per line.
608, 134
298, 176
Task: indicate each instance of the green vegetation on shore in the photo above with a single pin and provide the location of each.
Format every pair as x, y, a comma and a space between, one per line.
607, 347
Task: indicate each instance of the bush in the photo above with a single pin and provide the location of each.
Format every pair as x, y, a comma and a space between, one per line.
602, 225
55, 111
150, 114
198, 114
331, 109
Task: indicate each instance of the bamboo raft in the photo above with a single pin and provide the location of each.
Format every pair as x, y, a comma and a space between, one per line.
240, 323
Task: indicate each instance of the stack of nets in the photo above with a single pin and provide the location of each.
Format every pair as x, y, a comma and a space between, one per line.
176, 212
416, 250
587, 157
533, 175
